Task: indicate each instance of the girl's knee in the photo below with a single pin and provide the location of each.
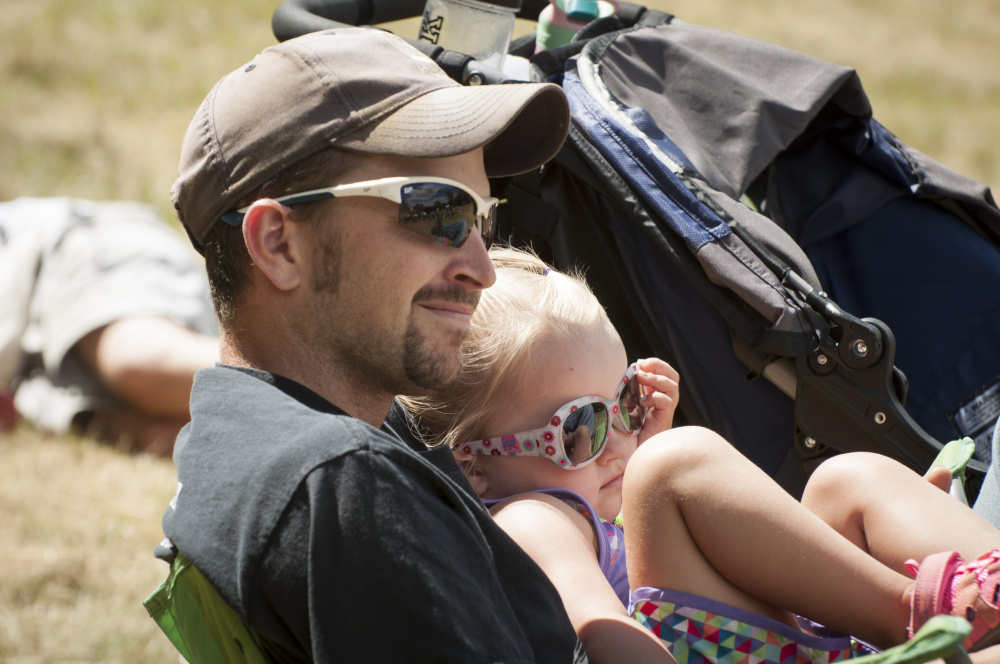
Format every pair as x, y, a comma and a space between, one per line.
837, 475
678, 453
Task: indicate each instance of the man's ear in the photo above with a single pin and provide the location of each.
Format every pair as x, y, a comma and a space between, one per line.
274, 242
472, 471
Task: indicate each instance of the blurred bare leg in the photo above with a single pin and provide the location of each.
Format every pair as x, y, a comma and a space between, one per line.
149, 363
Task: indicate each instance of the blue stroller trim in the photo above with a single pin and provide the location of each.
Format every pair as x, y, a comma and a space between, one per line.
680, 198
658, 180
649, 176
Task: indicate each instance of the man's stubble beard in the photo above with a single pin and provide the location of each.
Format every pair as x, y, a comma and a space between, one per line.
425, 368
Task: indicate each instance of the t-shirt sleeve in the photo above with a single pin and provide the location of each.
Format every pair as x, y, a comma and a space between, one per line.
397, 568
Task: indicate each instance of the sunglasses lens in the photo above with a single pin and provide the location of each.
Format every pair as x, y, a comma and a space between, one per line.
439, 211
629, 403
585, 431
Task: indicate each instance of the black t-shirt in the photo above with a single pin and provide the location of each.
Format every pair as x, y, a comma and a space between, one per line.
336, 541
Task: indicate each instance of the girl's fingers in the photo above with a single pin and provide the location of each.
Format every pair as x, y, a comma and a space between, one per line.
662, 385
659, 401
659, 417
654, 365
666, 382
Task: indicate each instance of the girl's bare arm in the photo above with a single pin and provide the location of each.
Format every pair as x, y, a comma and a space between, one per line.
562, 542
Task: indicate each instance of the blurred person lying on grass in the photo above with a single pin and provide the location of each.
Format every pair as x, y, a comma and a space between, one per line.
105, 316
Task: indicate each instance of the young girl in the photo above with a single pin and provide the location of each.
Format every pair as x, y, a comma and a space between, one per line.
720, 560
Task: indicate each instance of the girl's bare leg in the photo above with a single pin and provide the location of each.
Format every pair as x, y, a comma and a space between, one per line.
892, 512
708, 521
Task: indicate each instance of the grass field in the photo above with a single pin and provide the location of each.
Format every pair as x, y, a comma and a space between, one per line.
96, 97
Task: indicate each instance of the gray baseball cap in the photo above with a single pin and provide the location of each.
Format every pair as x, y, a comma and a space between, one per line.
360, 90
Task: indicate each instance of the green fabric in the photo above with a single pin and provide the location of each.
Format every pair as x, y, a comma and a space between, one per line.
203, 628
955, 455
941, 636
550, 35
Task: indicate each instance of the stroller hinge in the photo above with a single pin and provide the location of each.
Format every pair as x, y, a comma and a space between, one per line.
848, 389
857, 343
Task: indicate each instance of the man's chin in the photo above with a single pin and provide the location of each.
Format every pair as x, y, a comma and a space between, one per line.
429, 380
432, 370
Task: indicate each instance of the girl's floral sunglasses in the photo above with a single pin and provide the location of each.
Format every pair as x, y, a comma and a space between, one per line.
578, 432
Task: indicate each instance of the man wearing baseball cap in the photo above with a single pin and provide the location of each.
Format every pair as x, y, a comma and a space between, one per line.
337, 187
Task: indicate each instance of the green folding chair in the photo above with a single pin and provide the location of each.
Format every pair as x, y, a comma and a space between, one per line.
203, 628
940, 637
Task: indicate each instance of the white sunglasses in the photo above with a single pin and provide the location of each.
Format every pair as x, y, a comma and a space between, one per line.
437, 208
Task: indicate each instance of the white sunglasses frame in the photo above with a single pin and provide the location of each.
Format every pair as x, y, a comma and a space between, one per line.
387, 188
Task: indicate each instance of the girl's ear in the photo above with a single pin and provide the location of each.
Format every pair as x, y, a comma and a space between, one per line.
471, 469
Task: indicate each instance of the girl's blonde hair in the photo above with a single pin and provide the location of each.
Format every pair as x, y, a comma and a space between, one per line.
528, 311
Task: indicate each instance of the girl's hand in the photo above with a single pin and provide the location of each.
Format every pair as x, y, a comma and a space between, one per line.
662, 380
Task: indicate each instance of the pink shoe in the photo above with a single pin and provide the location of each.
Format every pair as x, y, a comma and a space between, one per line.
946, 584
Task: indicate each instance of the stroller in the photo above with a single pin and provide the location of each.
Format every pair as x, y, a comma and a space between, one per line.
730, 201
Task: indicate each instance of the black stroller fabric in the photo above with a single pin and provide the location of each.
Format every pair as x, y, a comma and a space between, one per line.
702, 166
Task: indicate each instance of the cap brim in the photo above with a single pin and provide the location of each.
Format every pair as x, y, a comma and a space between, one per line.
523, 125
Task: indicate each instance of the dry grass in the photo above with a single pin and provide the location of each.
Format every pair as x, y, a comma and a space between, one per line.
78, 523
97, 95
95, 100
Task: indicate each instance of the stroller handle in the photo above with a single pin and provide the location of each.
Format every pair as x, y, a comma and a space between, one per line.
294, 18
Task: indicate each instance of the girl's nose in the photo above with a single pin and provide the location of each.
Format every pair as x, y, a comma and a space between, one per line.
618, 445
